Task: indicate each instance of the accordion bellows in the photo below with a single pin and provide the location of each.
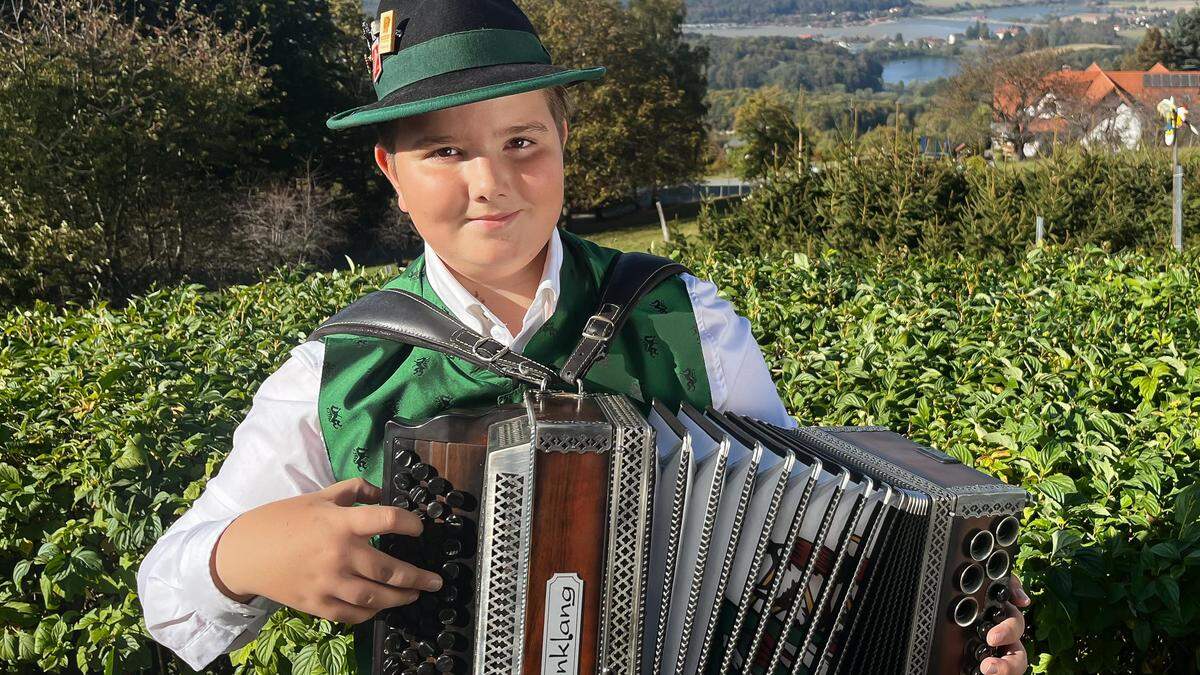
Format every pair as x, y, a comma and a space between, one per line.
577, 535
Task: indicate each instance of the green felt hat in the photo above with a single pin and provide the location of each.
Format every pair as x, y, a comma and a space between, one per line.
433, 54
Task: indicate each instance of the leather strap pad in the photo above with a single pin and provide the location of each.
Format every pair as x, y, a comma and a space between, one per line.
393, 314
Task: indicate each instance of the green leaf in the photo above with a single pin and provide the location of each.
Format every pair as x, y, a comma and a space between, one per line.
1056, 487
8, 645
131, 455
88, 559
10, 478
1166, 549
20, 570
1169, 592
49, 634
264, 646
1141, 634
332, 655
49, 595
306, 662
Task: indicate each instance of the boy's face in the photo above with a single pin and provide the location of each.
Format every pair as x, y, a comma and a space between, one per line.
455, 169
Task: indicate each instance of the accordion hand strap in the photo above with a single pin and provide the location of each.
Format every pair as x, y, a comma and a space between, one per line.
631, 277
393, 314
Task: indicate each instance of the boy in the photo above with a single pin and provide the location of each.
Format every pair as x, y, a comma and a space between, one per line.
477, 161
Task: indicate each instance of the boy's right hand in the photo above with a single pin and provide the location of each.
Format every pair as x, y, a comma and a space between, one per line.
313, 553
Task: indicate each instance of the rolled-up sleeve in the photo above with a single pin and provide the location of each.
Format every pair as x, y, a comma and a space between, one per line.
277, 453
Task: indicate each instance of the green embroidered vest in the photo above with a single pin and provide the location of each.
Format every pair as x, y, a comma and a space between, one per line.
367, 381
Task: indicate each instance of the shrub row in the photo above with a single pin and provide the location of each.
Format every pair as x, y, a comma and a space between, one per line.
1073, 374
885, 196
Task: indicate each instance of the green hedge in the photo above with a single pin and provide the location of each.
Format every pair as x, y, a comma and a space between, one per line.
884, 196
1073, 374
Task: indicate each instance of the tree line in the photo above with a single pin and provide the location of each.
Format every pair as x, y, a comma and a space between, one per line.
788, 62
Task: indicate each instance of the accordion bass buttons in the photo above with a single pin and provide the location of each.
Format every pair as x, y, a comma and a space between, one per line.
428, 637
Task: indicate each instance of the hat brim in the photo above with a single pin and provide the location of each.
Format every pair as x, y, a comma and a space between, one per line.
461, 87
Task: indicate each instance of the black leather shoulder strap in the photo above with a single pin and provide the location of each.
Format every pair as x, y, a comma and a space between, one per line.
393, 314
629, 278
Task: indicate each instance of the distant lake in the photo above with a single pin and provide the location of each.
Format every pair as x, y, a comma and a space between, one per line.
940, 26
918, 69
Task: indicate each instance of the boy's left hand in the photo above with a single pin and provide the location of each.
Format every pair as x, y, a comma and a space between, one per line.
1007, 635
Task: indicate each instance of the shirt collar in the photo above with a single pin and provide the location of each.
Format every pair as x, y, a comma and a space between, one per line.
469, 310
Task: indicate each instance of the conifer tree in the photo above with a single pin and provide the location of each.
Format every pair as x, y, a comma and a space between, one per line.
1153, 49
1184, 40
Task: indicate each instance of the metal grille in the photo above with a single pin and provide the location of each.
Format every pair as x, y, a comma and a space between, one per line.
501, 613
631, 484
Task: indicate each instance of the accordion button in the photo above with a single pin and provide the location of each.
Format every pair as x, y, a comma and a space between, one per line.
998, 592
978, 650
424, 472
426, 669
392, 666
449, 640
407, 458
453, 571
411, 656
460, 500
452, 548
994, 613
448, 594
448, 664
452, 617
402, 501
455, 522
439, 486
437, 510
393, 643
983, 628
402, 481
418, 495
427, 649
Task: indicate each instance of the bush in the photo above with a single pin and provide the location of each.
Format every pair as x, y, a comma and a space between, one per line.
134, 129
40, 259
886, 196
292, 222
1072, 374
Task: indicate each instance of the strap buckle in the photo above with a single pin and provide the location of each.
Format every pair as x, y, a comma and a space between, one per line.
599, 327
531, 374
498, 352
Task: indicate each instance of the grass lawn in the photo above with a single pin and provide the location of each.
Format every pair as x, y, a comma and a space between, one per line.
640, 238
1080, 46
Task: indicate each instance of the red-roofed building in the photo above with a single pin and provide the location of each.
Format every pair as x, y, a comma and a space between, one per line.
1114, 106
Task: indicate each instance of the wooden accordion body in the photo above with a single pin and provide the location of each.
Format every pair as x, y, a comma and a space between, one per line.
578, 536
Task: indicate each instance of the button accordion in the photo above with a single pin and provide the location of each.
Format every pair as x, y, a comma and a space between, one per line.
582, 533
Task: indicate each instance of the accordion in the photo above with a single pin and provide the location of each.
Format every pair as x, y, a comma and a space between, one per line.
581, 533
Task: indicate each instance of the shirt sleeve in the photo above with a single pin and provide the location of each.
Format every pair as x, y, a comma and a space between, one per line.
277, 452
738, 376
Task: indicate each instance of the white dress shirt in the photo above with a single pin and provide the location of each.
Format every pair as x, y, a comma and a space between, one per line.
278, 452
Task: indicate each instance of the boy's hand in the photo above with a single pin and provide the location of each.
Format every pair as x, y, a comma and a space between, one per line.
313, 553
1007, 635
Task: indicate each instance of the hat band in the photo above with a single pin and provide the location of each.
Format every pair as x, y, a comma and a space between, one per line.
458, 51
